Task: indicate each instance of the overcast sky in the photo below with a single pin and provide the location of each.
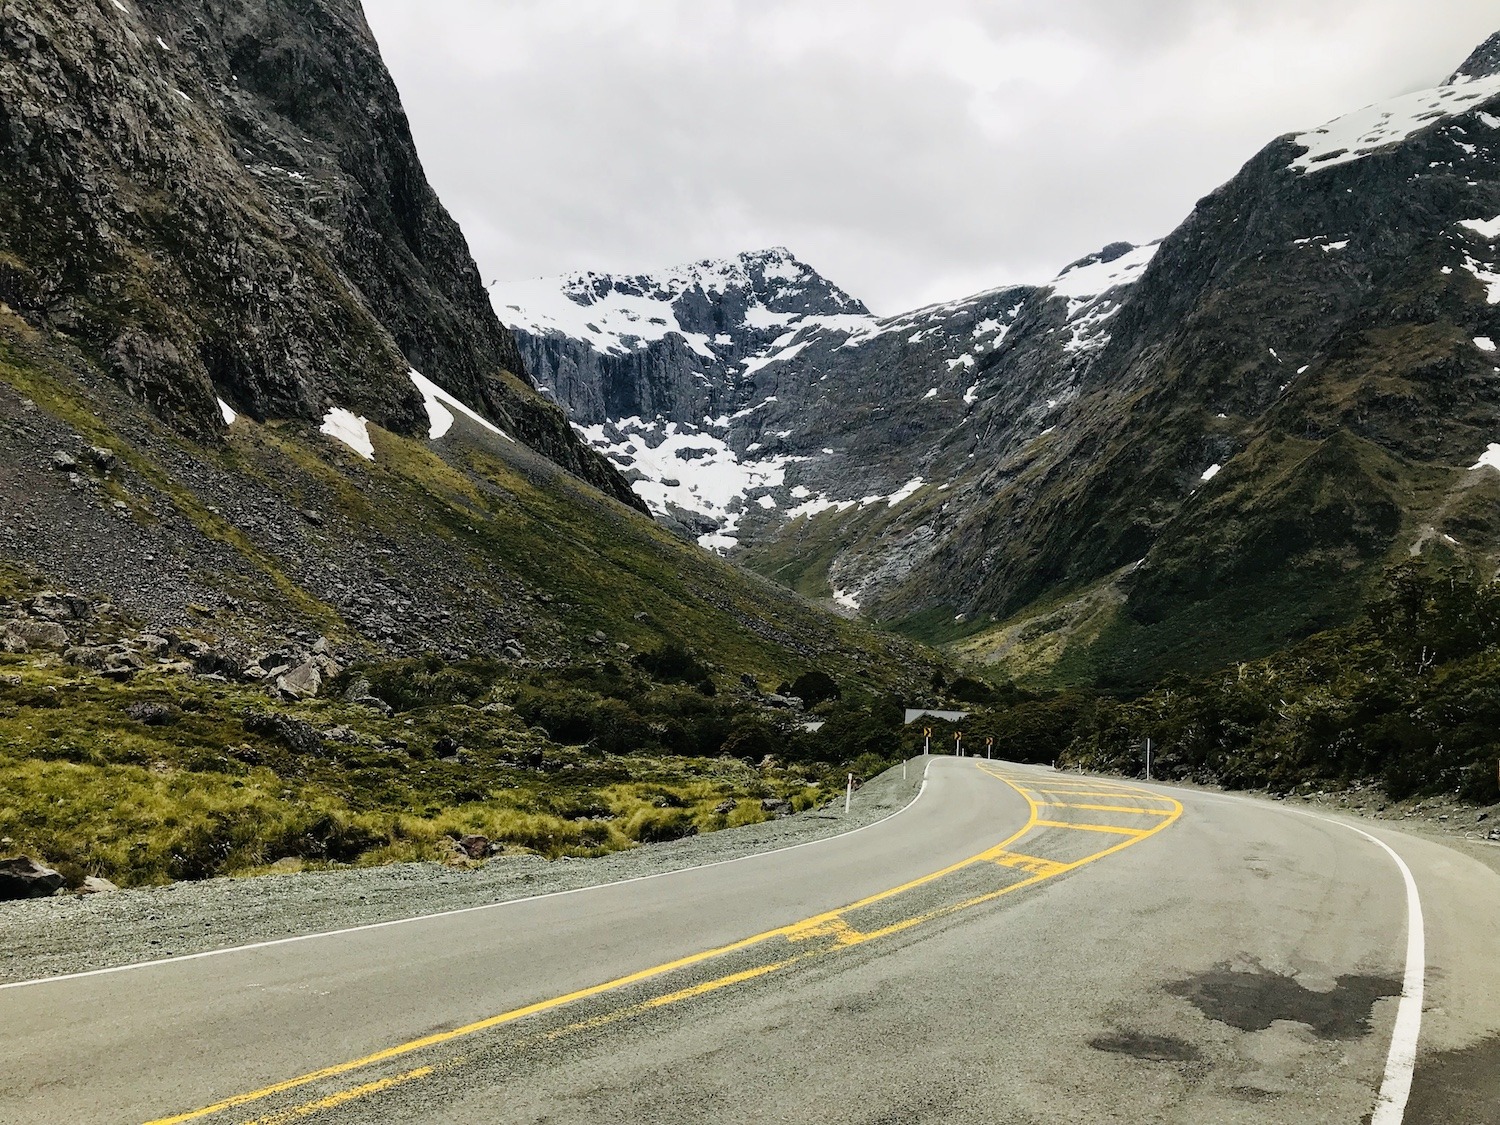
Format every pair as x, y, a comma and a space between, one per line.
910, 150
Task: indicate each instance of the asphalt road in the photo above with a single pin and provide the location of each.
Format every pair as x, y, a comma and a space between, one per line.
1017, 946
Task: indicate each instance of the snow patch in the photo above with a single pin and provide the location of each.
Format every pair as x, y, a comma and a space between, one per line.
227, 412
846, 599
1484, 343
1211, 472
1356, 135
932, 393
440, 406
1487, 229
905, 492
347, 427
1490, 457
675, 466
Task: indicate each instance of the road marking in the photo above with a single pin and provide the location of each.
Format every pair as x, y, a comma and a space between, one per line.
829, 924
1401, 1060
250, 947
1105, 808
1100, 793
333, 1101
1093, 827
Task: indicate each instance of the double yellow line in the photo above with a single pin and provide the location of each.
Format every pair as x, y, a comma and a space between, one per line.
833, 925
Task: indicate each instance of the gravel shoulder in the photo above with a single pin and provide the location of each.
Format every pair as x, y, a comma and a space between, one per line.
71, 933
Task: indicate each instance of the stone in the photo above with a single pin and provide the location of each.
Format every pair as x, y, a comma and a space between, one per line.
475, 846
63, 462
342, 734
88, 656
294, 734
151, 714
96, 885
301, 682
445, 747
375, 703
25, 636
24, 877
723, 808
103, 459
52, 606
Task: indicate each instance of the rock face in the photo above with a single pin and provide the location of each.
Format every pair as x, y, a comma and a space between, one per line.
741, 395
223, 202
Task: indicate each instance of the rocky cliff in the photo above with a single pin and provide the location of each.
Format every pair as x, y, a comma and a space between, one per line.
223, 201
741, 396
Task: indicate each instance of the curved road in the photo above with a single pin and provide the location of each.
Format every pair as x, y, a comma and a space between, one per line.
1017, 946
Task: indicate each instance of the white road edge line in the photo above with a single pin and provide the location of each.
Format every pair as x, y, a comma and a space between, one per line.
921, 789
1401, 1059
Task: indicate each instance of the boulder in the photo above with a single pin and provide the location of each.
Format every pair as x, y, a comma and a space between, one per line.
95, 885
151, 714
63, 462
53, 606
294, 734
88, 656
474, 845
26, 636
24, 877
359, 688
302, 682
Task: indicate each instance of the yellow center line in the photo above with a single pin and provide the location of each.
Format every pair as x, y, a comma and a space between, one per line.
333, 1101
830, 924
1138, 795
1092, 827
1104, 808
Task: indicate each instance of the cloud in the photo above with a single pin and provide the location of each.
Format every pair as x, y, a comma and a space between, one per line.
910, 153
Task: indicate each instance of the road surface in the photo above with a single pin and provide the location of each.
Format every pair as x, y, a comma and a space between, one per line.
1016, 946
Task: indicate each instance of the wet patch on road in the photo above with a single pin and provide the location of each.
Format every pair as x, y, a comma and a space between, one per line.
1149, 1048
1457, 1087
1254, 999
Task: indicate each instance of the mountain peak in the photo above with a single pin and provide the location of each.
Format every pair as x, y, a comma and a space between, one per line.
1483, 63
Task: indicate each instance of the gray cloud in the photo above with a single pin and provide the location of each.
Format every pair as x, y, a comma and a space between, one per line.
910, 152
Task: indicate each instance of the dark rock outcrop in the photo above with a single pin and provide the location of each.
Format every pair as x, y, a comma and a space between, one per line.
224, 201
24, 877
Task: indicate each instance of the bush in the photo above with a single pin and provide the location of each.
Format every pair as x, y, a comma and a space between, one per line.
815, 687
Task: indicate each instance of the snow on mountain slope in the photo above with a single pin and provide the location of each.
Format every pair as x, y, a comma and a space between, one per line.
739, 395
768, 289
1356, 135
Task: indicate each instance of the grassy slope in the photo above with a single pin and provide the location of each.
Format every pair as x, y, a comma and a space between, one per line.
486, 523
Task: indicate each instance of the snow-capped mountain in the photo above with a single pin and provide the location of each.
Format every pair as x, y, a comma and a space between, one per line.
739, 395
1213, 444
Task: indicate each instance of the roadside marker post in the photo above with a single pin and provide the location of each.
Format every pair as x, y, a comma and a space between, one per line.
848, 793
927, 740
958, 743
1148, 757
989, 748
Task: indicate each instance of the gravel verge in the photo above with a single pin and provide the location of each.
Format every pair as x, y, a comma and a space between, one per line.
72, 933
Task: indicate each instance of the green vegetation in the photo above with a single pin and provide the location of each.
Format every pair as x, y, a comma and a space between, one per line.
173, 777
1407, 696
